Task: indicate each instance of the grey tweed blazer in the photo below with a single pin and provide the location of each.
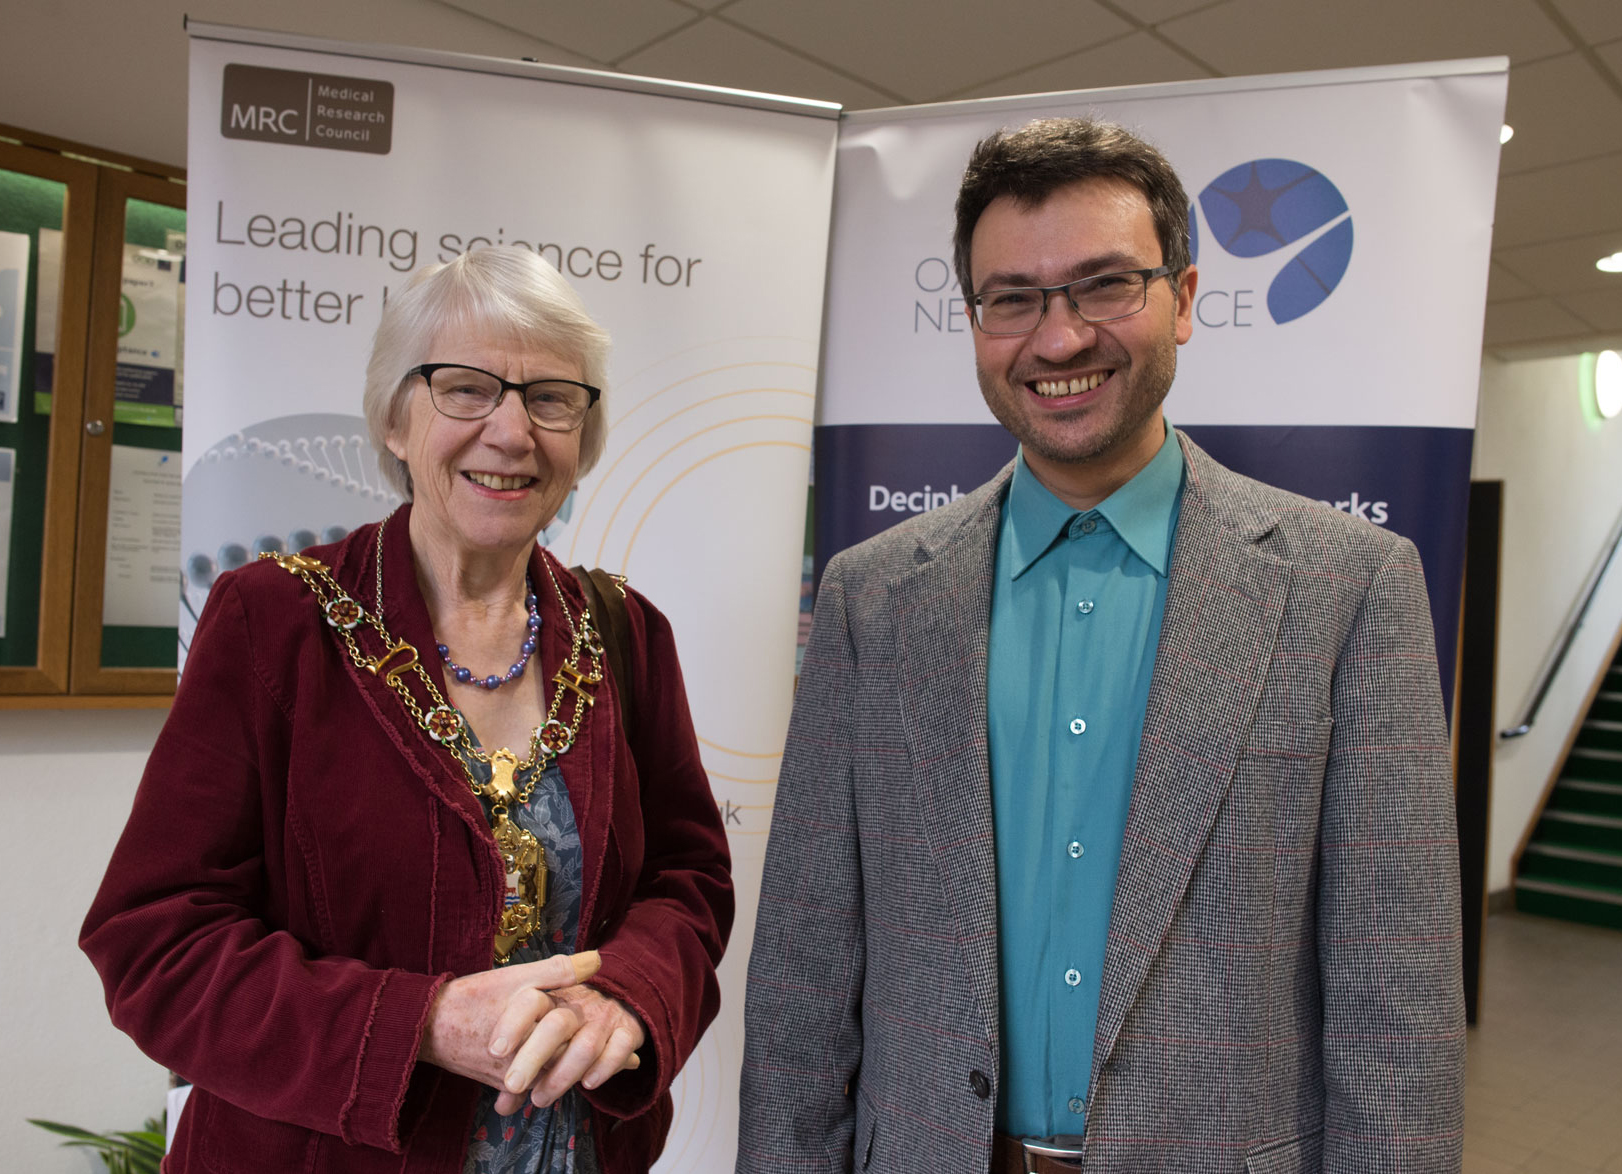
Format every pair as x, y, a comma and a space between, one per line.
1281, 986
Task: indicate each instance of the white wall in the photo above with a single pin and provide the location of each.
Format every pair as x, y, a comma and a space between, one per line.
66, 783
1562, 475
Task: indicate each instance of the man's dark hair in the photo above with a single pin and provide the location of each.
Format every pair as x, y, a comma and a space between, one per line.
1033, 162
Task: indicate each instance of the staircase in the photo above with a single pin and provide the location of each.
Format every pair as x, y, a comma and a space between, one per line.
1572, 866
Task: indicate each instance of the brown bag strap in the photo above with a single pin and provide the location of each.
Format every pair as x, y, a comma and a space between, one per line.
605, 596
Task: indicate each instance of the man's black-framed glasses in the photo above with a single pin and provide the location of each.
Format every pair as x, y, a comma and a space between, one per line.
468, 393
1101, 298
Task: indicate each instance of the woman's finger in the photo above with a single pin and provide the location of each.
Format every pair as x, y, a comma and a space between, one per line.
618, 1054
583, 1052
558, 970
552, 1032
523, 1011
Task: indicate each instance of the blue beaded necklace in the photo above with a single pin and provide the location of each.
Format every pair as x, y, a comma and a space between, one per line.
531, 636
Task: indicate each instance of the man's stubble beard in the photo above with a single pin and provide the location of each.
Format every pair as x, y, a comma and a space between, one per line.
1142, 391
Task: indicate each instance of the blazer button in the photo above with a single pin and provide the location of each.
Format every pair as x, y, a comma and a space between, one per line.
979, 1085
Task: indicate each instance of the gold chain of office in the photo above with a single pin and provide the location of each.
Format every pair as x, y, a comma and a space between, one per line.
521, 853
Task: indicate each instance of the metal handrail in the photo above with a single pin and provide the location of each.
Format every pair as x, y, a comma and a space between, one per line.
1568, 637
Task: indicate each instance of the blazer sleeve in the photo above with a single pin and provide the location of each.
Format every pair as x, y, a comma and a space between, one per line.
1388, 899
194, 967
659, 957
802, 1026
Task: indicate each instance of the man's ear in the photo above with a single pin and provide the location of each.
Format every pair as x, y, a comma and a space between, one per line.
1186, 285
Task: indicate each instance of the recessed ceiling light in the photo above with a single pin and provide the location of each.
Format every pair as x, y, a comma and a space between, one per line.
1611, 264
1505, 133
1608, 384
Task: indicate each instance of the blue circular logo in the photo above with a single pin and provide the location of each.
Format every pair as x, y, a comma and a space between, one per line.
1266, 206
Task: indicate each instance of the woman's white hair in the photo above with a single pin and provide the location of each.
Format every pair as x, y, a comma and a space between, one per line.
504, 291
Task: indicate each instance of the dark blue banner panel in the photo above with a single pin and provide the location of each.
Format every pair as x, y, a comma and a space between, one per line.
1415, 481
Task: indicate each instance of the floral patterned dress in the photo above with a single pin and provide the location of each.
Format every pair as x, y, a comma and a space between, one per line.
556, 1140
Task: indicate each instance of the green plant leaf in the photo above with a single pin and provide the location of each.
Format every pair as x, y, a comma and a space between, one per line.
124, 1152
84, 1135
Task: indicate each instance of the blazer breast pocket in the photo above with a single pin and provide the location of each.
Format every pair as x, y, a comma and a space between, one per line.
1278, 780
1299, 1155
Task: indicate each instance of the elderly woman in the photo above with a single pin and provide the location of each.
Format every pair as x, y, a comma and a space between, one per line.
402, 888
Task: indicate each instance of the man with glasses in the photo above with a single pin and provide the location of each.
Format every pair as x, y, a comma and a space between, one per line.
1115, 826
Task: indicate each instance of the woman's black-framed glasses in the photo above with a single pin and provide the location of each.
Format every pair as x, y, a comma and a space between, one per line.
468, 393
1102, 298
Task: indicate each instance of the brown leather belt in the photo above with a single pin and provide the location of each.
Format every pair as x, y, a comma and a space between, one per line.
1013, 1155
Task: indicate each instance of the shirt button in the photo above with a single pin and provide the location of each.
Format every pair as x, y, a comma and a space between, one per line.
1078, 1105
979, 1085
1072, 977
1076, 849
1088, 525
1085, 607
1078, 725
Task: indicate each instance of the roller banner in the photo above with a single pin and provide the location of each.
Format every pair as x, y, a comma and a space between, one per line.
1341, 223
694, 223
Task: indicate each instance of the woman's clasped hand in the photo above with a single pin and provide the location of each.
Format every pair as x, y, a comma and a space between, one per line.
531, 1030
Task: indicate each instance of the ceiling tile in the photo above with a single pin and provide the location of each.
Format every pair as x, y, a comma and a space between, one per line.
1611, 56
1542, 98
1133, 60
602, 30
926, 51
1574, 199
1595, 20
1152, 12
1601, 310
1273, 36
1505, 286
1535, 320
1564, 266
716, 53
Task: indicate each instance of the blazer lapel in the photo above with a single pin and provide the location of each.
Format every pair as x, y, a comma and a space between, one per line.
942, 619
1224, 604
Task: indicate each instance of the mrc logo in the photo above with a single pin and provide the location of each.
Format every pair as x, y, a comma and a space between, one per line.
1274, 208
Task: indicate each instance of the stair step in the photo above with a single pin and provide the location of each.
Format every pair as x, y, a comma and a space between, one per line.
1583, 903
1599, 734
1560, 863
1579, 829
1598, 798
1587, 763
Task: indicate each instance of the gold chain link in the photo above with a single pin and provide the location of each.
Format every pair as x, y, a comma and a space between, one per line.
583, 638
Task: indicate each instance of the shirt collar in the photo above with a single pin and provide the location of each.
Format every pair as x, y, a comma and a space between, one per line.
1143, 511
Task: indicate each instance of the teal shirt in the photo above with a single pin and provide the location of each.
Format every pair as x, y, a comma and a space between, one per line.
1076, 606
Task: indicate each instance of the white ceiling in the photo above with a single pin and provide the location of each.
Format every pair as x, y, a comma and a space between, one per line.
1560, 191
1559, 195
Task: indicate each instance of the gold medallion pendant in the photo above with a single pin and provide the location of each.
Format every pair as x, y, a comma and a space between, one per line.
521, 854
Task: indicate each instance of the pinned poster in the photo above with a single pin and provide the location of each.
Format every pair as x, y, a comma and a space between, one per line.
47, 304
8, 466
148, 336
14, 249
143, 538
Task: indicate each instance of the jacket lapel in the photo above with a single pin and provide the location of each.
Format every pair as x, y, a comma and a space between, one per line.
1224, 604
942, 618
405, 615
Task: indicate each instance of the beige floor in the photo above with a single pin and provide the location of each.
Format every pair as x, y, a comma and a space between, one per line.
1544, 1090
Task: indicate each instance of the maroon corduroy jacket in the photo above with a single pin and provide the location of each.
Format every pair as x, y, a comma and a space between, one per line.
303, 868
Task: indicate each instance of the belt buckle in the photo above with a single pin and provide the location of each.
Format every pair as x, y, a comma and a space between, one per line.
1062, 1147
